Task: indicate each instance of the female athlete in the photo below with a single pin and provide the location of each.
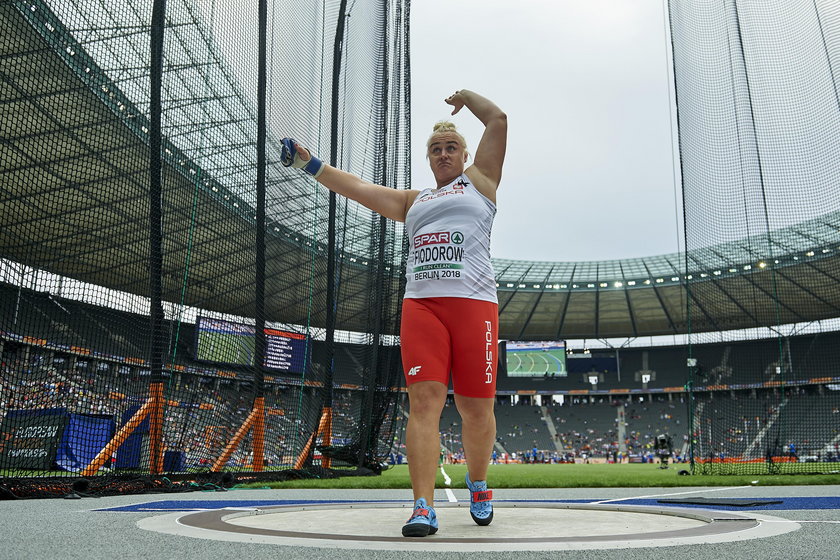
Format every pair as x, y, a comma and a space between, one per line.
449, 323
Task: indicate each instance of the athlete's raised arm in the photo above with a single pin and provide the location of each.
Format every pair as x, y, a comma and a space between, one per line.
486, 171
391, 203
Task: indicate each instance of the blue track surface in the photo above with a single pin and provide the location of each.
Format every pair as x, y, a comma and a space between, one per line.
810, 503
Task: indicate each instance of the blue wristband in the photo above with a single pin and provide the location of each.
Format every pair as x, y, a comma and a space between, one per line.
314, 166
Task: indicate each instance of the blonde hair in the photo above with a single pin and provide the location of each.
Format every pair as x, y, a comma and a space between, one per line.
445, 126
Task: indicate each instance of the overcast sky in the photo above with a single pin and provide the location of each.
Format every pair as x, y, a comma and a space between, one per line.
589, 172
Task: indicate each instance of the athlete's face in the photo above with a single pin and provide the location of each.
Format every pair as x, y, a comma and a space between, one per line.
446, 157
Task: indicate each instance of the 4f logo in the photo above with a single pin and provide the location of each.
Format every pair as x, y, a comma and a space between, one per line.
415, 370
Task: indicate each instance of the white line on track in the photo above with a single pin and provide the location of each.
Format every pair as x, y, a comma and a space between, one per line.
672, 494
448, 481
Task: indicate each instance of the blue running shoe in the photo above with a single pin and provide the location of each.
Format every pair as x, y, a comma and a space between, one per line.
422, 522
481, 501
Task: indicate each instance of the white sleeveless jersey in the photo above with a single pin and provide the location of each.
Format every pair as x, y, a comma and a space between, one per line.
449, 243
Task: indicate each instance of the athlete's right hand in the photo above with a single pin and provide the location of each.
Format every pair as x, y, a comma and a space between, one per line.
294, 155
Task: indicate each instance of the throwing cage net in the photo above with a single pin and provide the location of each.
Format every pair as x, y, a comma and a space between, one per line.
758, 100
177, 308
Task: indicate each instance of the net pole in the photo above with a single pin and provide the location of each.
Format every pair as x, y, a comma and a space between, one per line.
691, 370
366, 418
259, 295
158, 333
332, 303
776, 320
324, 428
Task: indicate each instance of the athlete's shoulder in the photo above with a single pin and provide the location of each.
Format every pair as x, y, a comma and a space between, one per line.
481, 183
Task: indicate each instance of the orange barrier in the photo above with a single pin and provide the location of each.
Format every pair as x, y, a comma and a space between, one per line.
152, 406
259, 435
325, 431
156, 428
256, 420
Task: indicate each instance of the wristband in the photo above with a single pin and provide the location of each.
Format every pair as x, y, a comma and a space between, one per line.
289, 157
314, 166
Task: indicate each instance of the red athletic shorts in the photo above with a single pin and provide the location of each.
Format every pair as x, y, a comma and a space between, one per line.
444, 334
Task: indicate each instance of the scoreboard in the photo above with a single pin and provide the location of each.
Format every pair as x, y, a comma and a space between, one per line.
536, 359
227, 342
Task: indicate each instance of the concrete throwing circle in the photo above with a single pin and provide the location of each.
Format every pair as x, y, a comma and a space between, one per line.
536, 526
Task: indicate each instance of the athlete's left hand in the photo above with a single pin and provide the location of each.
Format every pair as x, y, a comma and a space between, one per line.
456, 100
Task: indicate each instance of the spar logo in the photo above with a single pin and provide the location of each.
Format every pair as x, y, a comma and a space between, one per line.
431, 239
439, 238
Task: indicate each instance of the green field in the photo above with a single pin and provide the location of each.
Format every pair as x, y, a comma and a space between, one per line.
568, 476
226, 348
536, 362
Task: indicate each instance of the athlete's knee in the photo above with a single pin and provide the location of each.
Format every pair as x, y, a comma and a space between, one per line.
476, 410
426, 399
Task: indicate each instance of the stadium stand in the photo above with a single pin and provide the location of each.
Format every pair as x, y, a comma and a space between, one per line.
520, 428
79, 369
586, 425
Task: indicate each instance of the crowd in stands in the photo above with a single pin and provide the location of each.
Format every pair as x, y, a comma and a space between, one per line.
587, 430
203, 413
797, 423
201, 416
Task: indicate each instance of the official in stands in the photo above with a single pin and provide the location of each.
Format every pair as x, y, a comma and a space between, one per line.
450, 309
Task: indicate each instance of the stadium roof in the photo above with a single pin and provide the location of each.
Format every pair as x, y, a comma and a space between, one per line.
789, 277
79, 211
